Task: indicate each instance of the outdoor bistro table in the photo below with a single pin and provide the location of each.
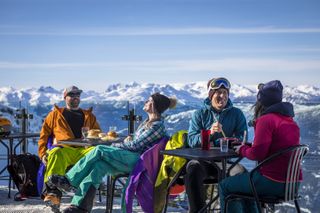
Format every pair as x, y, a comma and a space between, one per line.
212, 155
90, 142
11, 142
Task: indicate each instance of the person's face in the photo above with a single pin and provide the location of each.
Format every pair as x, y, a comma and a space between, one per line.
148, 106
220, 99
73, 100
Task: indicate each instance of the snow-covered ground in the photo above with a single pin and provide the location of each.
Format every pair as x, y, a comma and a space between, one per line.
36, 205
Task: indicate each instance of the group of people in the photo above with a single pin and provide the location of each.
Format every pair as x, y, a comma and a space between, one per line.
273, 120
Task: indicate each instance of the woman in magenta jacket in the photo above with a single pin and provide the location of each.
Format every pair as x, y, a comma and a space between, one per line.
274, 130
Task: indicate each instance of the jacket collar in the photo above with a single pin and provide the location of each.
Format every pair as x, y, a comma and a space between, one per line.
283, 108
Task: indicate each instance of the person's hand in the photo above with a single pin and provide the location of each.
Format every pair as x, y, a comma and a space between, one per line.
44, 160
129, 138
237, 148
216, 127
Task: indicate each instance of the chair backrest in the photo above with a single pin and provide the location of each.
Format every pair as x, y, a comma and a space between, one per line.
293, 171
143, 176
295, 155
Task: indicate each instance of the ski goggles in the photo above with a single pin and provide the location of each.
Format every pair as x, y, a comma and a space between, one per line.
219, 82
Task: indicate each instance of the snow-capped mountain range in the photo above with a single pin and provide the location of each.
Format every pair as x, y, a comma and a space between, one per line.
135, 92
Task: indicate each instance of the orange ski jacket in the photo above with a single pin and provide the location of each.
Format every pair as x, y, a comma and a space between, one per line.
57, 126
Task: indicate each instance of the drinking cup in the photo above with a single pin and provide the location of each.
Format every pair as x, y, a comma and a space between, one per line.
205, 142
224, 142
85, 132
112, 128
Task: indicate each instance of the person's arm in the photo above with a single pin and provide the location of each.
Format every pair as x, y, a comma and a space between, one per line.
149, 136
95, 124
92, 122
241, 126
195, 130
46, 131
262, 141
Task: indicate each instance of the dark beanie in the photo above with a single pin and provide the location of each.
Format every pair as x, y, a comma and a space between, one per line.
161, 102
270, 93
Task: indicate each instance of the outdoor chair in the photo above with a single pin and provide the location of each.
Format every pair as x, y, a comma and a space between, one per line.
291, 185
179, 180
111, 185
140, 180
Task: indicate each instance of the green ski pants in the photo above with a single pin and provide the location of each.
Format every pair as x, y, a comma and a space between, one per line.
60, 158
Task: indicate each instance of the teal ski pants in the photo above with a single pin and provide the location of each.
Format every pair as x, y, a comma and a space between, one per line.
241, 184
102, 160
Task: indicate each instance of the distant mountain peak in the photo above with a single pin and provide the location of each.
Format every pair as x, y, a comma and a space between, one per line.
135, 92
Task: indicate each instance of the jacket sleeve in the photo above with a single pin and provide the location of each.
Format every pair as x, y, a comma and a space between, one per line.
94, 123
45, 133
262, 141
195, 129
155, 132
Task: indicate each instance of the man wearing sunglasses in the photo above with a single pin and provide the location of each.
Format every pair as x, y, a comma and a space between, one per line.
224, 120
63, 124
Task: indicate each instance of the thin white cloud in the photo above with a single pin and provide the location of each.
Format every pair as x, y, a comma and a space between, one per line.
227, 64
30, 31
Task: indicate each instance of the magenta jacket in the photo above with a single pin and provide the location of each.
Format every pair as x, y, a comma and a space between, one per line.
275, 130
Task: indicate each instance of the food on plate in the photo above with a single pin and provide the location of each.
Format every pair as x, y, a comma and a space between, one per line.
102, 134
112, 134
94, 133
108, 138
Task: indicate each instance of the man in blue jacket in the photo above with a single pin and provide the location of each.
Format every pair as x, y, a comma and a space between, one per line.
220, 116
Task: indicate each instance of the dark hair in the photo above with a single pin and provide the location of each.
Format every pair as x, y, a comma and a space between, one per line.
258, 109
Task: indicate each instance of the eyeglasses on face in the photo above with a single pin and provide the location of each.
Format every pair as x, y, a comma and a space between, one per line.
73, 95
219, 82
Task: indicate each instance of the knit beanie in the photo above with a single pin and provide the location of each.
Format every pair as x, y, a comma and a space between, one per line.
162, 102
270, 93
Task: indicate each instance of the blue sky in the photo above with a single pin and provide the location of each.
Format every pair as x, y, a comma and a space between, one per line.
97, 43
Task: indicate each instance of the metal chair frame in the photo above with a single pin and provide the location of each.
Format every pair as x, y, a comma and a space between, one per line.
111, 184
291, 187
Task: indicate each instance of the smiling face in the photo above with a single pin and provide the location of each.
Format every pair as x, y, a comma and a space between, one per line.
220, 99
73, 101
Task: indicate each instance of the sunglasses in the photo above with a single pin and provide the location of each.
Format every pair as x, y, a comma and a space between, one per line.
73, 95
260, 86
219, 82
149, 100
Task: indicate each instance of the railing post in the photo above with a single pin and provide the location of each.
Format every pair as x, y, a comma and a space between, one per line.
131, 117
23, 116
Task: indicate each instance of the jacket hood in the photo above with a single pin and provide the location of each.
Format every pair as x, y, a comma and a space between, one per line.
283, 108
207, 104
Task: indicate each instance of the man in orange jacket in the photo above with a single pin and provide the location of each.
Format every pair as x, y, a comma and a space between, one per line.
63, 124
